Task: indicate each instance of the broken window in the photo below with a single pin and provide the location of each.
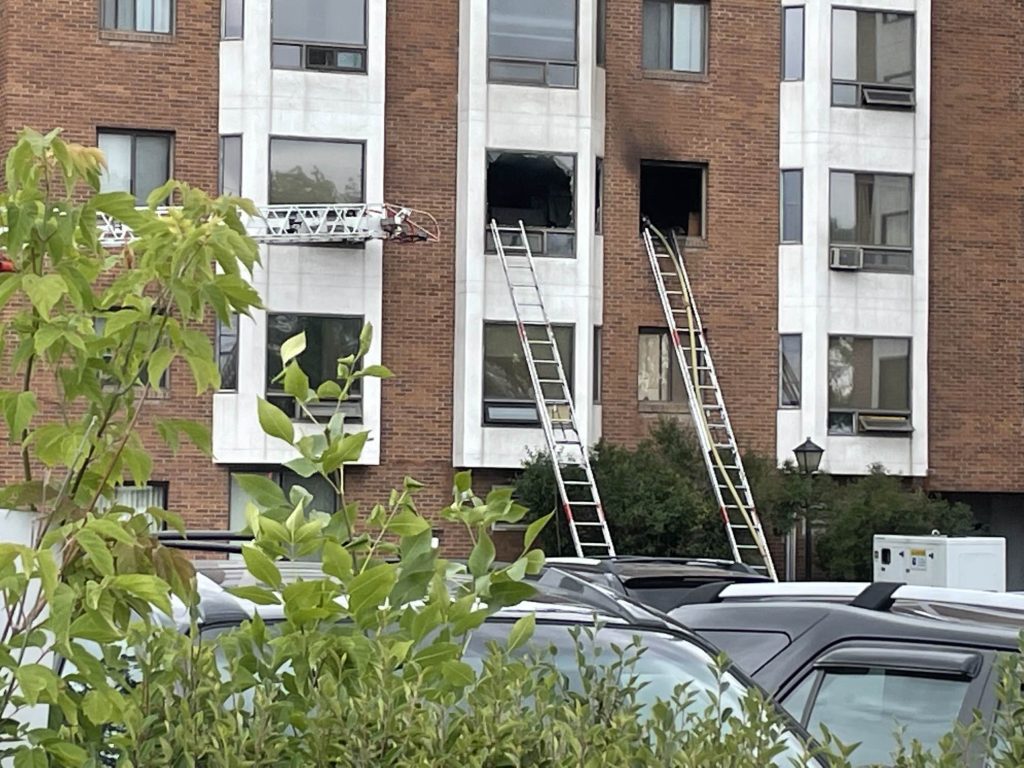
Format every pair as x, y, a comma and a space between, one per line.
672, 197
537, 189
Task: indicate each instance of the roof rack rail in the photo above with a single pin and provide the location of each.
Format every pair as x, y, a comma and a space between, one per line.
219, 542
878, 596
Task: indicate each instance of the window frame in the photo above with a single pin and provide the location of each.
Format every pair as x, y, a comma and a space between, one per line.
598, 336
134, 134
786, 9
162, 485
486, 402
689, 241
800, 379
219, 351
314, 139
222, 156
860, 86
223, 19
673, 371
601, 34
353, 407
265, 470
134, 30
305, 45
783, 240
541, 232
598, 195
867, 248
856, 414
546, 63
705, 69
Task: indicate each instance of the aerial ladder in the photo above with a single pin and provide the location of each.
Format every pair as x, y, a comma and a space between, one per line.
707, 405
574, 475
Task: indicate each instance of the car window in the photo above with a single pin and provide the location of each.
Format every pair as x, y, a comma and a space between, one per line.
750, 650
869, 705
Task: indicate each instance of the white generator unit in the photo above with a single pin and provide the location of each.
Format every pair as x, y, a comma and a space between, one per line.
968, 562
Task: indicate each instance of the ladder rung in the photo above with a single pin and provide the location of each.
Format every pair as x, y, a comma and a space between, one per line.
592, 544
541, 341
575, 482
588, 524
583, 503
549, 381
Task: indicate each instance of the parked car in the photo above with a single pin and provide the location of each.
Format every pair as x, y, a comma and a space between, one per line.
660, 582
890, 656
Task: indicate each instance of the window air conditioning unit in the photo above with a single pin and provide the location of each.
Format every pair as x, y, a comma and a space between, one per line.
846, 257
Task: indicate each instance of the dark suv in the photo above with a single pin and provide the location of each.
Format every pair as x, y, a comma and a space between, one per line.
660, 582
857, 667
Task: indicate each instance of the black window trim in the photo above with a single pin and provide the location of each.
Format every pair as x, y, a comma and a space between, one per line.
861, 103
535, 423
705, 71
542, 231
575, 63
134, 133
322, 140
355, 395
882, 249
305, 45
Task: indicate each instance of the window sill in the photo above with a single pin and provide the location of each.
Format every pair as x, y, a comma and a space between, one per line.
124, 36
681, 77
319, 70
658, 406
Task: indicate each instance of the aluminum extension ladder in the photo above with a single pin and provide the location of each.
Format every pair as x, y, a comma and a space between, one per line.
707, 405
570, 457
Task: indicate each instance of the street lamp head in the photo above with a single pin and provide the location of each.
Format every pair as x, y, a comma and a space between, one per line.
808, 456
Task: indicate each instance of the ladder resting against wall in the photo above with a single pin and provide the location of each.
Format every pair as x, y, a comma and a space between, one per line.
574, 476
707, 405
315, 224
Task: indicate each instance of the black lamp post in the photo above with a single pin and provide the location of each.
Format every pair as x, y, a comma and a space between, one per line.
808, 459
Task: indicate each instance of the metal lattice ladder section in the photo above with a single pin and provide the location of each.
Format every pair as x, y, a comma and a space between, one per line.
707, 405
573, 473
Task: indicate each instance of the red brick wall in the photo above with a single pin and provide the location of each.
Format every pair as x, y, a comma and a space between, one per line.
58, 69
730, 122
976, 382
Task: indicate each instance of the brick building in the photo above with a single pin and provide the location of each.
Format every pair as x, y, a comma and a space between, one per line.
846, 178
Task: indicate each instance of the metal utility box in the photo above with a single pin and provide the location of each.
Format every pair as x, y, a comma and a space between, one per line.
969, 562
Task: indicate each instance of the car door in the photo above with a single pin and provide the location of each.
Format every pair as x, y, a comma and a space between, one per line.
866, 692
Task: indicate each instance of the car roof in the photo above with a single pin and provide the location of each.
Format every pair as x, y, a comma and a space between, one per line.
628, 567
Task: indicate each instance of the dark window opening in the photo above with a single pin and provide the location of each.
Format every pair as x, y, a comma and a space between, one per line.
672, 197
539, 190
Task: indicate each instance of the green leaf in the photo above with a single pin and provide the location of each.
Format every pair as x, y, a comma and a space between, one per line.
92, 626
368, 590
482, 556
44, 292
302, 467
337, 561
437, 653
534, 561
535, 528
377, 371
457, 673
365, 338
46, 337
30, 757
293, 347
96, 549
139, 464
261, 566
296, 382
197, 434
113, 322
522, 631
463, 481
257, 595
97, 708
274, 422
68, 754
407, 523
35, 679
262, 490
110, 529
158, 364
19, 411
348, 449
152, 589
329, 390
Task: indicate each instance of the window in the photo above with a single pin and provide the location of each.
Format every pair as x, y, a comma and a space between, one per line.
230, 176
327, 35
659, 378
675, 35
597, 363
672, 196
227, 353
750, 650
790, 361
508, 393
793, 43
138, 15
792, 206
328, 338
309, 171
232, 19
872, 59
137, 162
870, 218
599, 196
324, 497
539, 190
140, 498
870, 705
868, 385
532, 42
600, 54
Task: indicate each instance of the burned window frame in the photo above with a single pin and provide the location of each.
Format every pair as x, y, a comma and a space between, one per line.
702, 168
541, 238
